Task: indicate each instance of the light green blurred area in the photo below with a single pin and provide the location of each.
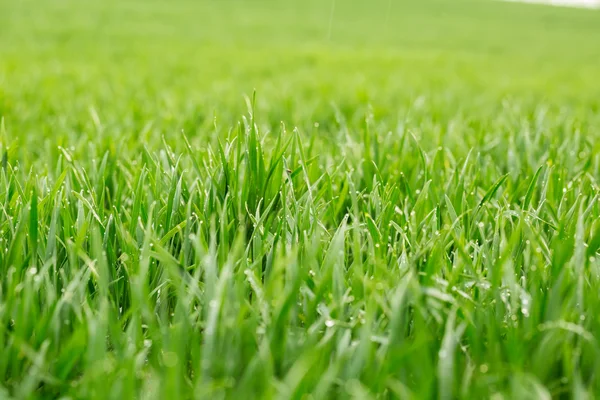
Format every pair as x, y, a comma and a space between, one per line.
180, 63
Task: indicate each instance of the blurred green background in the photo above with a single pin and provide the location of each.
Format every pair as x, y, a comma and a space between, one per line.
177, 64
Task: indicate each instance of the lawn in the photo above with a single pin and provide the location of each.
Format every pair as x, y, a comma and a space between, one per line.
299, 199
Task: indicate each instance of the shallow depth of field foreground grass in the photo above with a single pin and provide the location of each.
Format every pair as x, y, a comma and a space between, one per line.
407, 207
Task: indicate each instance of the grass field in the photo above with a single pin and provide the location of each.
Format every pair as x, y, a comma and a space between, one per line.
299, 200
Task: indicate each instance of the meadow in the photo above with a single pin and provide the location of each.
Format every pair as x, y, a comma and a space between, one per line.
299, 200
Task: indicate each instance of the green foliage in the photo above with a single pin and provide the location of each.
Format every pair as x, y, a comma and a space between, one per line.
407, 207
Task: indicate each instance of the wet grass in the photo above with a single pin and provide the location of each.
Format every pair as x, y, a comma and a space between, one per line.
319, 200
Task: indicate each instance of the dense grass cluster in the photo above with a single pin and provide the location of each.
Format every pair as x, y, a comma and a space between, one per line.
401, 210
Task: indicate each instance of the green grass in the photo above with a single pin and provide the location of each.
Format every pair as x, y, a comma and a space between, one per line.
284, 199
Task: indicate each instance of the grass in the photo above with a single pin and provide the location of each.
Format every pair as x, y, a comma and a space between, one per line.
260, 199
